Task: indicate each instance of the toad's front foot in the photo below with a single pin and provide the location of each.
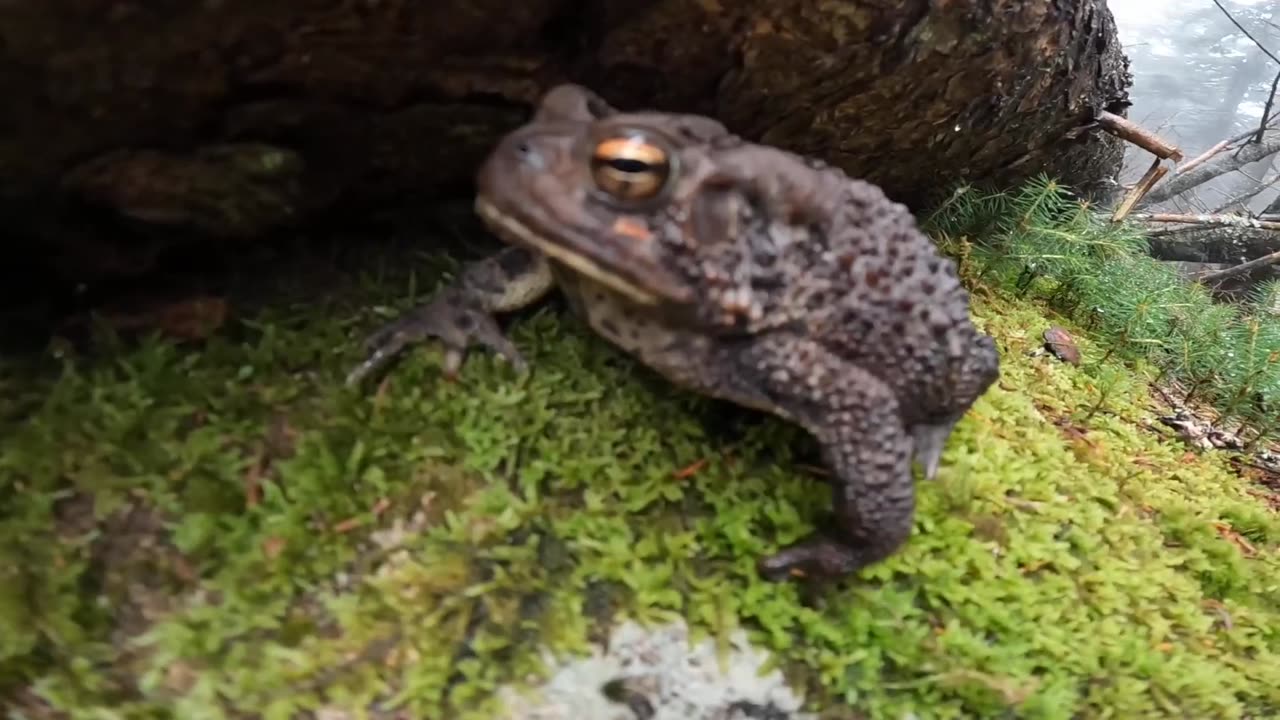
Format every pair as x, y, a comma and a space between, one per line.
454, 319
461, 316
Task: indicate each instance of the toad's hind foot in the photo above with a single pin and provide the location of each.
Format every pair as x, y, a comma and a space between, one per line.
854, 416
819, 556
872, 494
825, 555
449, 318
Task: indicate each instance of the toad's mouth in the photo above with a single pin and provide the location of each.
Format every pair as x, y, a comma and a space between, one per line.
582, 258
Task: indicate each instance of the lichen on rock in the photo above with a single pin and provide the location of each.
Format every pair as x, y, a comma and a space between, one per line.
665, 676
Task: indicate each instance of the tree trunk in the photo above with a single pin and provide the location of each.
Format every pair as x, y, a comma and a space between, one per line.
226, 120
1227, 245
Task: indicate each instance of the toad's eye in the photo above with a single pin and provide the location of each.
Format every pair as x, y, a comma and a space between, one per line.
630, 167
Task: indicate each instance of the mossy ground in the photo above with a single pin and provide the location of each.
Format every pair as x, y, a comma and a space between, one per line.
225, 531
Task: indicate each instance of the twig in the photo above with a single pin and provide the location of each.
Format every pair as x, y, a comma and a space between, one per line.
1153, 175
1246, 463
690, 470
1132, 132
1266, 110
1199, 159
1214, 220
1242, 268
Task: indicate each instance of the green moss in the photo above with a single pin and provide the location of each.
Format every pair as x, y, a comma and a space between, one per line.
199, 533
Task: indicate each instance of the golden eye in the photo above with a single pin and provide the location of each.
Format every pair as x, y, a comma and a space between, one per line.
630, 167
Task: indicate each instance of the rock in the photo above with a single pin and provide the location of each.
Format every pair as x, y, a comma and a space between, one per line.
1062, 345
654, 674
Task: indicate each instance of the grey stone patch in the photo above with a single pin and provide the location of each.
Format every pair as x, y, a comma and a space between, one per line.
664, 676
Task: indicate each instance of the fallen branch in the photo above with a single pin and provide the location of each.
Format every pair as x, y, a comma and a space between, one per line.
1221, 146
1240, 269
1136, 134
1153, 175
1219, 166
1209, 244
1200, 159
1173, 232
1209, 220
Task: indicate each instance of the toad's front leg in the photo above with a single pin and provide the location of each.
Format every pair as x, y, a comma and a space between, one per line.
855, 418
461, 315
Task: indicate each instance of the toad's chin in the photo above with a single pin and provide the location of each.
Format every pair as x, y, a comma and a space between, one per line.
512, 230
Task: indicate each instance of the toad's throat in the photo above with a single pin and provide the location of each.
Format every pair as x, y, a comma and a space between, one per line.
516, 232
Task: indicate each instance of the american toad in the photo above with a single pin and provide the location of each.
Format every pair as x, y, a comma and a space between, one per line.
736, 270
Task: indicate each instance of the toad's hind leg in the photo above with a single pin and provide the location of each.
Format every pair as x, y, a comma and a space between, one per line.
855, 418
461, 315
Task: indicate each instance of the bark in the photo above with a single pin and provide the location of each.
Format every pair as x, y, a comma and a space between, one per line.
1224, 245
227, 120
1209, 220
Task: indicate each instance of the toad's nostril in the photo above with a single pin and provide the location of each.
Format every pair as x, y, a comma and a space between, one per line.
529, 156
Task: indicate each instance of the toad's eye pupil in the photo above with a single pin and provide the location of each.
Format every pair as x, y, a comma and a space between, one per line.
629, 165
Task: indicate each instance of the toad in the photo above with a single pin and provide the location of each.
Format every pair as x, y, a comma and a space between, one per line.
739, 271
